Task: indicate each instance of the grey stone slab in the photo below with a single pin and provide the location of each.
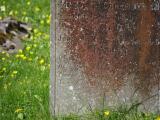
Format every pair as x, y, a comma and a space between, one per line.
104, 53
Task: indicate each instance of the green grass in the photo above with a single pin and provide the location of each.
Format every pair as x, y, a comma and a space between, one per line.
24, 77
121, 113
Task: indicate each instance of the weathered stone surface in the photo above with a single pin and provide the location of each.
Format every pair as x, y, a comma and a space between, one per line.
105, 53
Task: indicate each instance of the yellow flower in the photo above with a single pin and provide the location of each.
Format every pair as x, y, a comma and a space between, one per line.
26, 19
4, 69
28, 3
12, 76
24, 13
35, 30
37, 9
24, 58
7, 54
158, 118
16, 12
42, 22
31, 52
20, 51
3, 52
106, 113
28, 48
35, 45
3, 8
41, 61
15, 72
21, 55
0, 18
17, 56
18, 110
11, 13
3, 59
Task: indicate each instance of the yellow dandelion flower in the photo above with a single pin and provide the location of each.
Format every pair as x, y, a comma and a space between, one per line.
35, 30
28, 48
3, 59
15, 72
11, 13
35, 45
29, 59
28, 3
37, 9
42, 22
24, 13
15, 12
4, 69
24, 58
41, 61
18, 110
3, 52
20, 51
2, 8
17, 56
12, 75
26, 19
31, 53
158, 118
106, 113
7, 54
0, 18
21, 55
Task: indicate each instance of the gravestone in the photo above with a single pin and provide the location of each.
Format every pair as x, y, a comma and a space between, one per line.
104, 53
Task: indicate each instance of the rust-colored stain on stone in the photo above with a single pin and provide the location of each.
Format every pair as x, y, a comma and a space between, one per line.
110, 42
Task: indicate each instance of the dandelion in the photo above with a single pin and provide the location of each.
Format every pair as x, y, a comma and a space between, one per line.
3, 52
24, 58
28, 3
28, 48
24, 13
35, 45
4, 69
12, 76
7, 54
26, 19
3, 8
37, 9
15, 12
42, 22
18, 110
158, 118
41, 61
15, 72
20, 51
3, 59
29, 59
21, 55
35, 30
49, 19
0, 18
17, 56
49, 65
106, 113
11, 13
31, 53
